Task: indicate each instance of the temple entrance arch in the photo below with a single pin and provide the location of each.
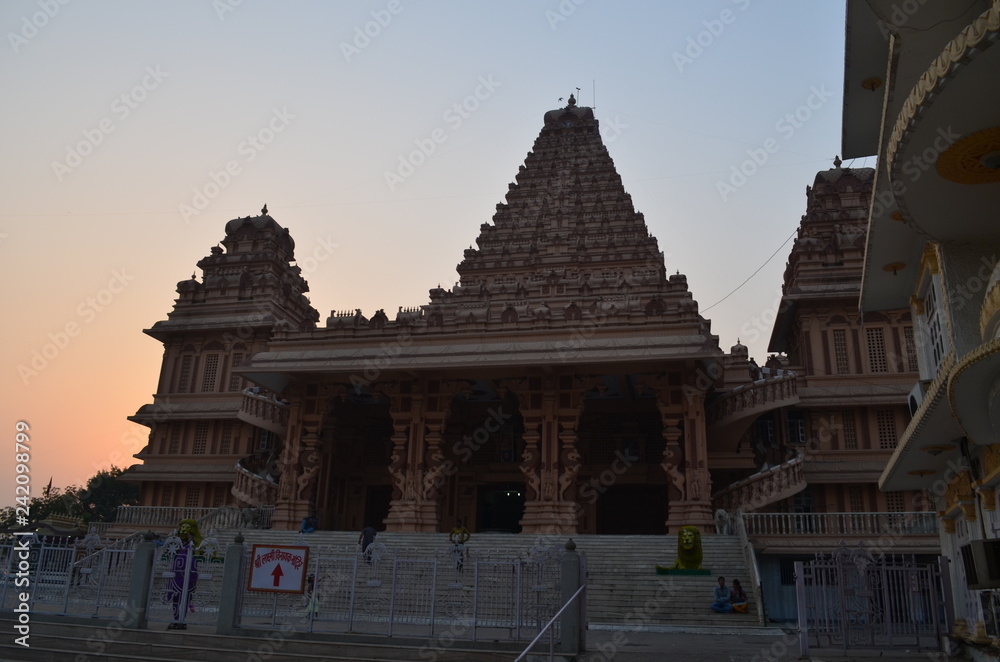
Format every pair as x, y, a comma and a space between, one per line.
355, 444
482, 446
622, 487
500, 507
633, 510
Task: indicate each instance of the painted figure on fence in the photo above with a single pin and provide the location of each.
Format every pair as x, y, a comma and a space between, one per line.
458, 537
181, 587
688, 549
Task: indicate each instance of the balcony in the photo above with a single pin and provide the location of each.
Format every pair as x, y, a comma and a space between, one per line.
263, 411
881, 533
729, 416
765, 487
253, 489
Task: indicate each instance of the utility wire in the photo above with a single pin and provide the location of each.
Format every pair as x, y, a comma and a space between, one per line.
704, 310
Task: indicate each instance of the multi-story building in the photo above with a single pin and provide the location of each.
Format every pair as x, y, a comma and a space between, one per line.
921, 93
821, 457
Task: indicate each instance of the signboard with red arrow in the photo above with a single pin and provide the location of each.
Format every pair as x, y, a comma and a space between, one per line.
278, 568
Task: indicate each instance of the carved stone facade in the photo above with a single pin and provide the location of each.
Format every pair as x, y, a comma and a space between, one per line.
560, 386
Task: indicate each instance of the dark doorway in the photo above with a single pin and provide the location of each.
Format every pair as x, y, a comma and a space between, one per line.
501, 508
633, 509
377, 506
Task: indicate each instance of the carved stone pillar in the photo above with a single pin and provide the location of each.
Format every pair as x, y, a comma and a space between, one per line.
417, 459
697, 508
300, 468
550, 461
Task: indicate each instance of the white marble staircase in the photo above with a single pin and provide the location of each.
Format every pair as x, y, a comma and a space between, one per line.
623, 587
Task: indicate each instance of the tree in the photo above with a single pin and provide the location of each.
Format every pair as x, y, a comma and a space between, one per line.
104, 493
97, 502
53, 501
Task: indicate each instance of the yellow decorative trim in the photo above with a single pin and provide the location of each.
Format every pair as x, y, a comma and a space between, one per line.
970, 43
929, 260
969, 510
949, 526
988, 498
978, 354
959, 491
894, 267
917, 305
991, 306
897, 216
991, 463
962, 162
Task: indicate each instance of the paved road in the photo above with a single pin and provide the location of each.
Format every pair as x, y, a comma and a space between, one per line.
730, 645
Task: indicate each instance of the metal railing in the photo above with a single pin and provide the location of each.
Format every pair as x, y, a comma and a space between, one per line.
548, 627
158, 515
764, 487
841, 524
739, 525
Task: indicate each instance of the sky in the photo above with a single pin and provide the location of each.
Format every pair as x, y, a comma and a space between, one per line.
382, 134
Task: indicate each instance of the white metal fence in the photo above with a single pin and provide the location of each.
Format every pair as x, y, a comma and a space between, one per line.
390, 594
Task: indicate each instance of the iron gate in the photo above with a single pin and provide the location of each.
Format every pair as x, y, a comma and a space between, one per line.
64, 576
852, 600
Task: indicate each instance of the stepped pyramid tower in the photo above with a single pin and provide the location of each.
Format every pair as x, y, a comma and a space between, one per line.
196, 436
559, 387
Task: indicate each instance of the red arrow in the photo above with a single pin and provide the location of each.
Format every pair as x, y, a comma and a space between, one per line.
277, 574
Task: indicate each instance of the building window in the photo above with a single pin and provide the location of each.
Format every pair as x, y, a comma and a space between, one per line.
850, 431
184, 382
894, 502
885, 422
167, 496
235, 381
876, 349
796, 428
193, 497
226, 443
175, 440
200, 438
219, 496
910, 347
935, 323
857, 499
210, 374
840, 351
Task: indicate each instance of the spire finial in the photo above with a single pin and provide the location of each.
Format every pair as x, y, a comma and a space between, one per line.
263, 211
837, 161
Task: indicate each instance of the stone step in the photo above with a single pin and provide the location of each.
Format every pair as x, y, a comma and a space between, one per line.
57, 641
621, 570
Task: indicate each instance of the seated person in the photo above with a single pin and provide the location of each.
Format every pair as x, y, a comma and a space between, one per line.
309, 524
738, 597
721, 595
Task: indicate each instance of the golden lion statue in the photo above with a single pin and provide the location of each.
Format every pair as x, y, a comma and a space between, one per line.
688, 549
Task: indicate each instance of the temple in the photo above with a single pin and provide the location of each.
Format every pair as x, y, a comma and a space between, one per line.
565, 384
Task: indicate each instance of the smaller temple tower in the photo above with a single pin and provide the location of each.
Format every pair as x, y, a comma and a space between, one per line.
203, 418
